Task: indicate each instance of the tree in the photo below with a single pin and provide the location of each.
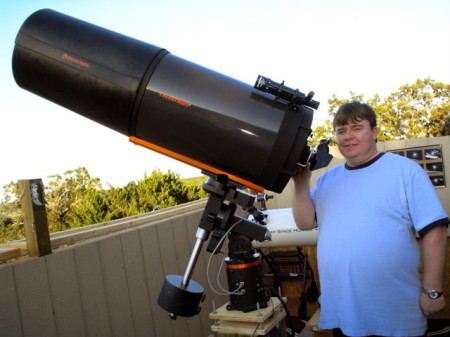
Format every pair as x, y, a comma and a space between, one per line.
161, 190
92, 208
324, 131
416, 110
75, 199
11, 219
63, 193
122, 202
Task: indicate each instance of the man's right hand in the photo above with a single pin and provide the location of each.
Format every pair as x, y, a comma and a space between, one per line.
303, 175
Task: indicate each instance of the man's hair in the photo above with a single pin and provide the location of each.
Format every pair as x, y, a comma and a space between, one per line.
355, 112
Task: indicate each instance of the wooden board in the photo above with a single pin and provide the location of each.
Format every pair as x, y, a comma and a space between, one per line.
9, 253
92, 290
313, 323
313, 326
235, 315
34, 298
248, 328
67, 305
116, 287
10, 321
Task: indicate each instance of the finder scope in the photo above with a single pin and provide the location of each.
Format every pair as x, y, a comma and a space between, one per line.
166, 103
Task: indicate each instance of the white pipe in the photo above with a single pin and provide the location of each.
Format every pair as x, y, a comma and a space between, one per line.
280, 223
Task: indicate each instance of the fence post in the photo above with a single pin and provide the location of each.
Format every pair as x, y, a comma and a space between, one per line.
35, 217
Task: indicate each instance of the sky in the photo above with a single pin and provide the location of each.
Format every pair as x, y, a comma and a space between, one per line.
326, 46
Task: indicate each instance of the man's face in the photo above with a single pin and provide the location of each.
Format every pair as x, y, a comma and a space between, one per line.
356, 141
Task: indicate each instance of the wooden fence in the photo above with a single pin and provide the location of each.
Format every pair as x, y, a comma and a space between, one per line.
108, 285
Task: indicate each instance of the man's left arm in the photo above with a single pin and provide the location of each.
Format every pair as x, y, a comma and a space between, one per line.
434, 252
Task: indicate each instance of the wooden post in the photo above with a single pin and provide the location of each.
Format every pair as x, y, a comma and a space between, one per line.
35, 217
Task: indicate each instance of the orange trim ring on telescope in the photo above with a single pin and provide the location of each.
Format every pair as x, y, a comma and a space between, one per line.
194, 163
244, 265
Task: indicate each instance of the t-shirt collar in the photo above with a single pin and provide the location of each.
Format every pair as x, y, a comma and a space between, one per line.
370, 162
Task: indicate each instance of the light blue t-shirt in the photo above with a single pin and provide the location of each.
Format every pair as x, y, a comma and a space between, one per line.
367, 251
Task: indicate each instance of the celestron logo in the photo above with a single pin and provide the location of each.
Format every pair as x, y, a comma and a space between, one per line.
72, 59
176, 100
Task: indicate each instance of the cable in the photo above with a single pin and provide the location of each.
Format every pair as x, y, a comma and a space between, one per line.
256, 329
237, 291
224, 291
288, 316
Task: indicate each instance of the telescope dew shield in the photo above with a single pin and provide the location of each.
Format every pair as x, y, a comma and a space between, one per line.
82, 67
161, 101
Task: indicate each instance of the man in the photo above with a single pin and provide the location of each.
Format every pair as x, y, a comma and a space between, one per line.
368, 211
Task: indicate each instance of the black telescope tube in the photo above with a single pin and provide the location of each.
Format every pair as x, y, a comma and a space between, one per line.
161, 101
82, 67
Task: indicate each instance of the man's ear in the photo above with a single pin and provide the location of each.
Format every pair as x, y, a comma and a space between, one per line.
375, 134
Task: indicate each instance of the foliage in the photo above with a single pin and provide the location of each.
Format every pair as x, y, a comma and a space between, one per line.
64, 194
324, 131
75, 199
195, 187
11, 219
416, 110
